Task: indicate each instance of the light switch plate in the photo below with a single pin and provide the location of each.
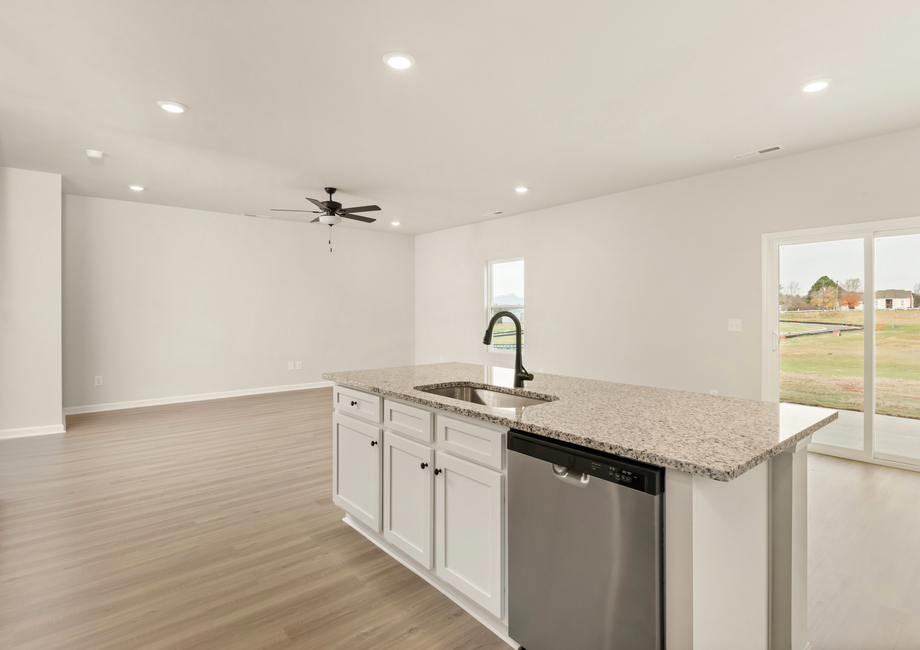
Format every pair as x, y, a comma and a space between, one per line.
734, 324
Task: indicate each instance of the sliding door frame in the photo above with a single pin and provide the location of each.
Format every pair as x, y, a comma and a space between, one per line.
868, 232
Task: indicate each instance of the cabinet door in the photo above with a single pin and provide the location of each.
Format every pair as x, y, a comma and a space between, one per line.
408, 469
356, 469
468, 530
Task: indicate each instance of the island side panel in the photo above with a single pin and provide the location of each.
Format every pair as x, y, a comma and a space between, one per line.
789, 532
678, 559
731, 561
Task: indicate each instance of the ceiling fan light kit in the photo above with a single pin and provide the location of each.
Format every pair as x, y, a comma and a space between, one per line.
331, 212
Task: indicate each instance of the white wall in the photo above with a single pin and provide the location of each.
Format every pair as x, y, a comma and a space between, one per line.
30, 303
167, 302
638, 286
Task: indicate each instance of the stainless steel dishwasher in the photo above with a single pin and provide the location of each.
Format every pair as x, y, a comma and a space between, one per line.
585, 548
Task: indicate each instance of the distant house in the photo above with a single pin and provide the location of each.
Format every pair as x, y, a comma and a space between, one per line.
894, 299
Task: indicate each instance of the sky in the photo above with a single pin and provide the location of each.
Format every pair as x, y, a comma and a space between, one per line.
897, 262
508, 277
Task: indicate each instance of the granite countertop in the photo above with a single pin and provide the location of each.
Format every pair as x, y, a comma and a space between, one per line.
717, 437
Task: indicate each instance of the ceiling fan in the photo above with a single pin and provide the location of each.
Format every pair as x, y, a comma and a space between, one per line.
331, 212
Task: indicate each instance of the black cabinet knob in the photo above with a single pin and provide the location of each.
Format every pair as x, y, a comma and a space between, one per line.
373, 442
354, 403
424, 465
436, 471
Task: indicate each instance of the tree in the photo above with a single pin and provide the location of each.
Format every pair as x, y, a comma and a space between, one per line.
852, 285
850, 300
916, 294
852, 293
789, 298
822, 282
825, 297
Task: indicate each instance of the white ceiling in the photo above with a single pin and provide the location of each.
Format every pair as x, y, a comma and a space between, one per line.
575, 99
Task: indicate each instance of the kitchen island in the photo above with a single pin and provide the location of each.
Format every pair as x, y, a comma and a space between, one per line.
735, 487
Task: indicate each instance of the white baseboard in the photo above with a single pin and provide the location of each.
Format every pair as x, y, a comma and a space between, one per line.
28, 432
117, 406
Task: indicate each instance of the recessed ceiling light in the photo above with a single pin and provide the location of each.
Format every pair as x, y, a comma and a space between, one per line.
815, 85
521, 189
92, 154
399, 60
136, 188
172, 107
394, 223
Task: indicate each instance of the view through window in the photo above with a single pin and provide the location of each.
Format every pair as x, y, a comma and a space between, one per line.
505, 292
823, 311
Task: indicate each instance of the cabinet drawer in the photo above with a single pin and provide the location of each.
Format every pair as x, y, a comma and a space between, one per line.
408, 420
357, 403
471, 441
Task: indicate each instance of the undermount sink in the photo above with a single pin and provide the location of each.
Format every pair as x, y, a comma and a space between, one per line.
486, 397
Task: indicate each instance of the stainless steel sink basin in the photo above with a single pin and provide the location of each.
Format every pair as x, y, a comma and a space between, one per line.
485, 397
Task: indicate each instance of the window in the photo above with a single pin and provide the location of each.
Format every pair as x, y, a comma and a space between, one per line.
505, 292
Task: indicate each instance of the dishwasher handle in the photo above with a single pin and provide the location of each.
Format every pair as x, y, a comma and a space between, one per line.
563, 473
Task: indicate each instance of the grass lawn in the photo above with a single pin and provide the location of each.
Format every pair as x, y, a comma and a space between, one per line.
827, 370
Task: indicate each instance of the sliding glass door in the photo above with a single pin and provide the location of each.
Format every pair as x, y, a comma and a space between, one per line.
821, 336
897, 348
844, 333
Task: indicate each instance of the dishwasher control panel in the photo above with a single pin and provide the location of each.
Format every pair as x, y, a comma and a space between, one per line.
607, 467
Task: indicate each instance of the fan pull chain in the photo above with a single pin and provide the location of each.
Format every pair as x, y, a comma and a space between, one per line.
330, 237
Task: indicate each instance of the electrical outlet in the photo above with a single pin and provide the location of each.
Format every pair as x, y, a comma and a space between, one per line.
714, 393
97, 381
440, 359
290, 365
734, 324
299, 365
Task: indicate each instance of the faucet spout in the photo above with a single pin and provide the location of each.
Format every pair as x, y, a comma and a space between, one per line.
520, 373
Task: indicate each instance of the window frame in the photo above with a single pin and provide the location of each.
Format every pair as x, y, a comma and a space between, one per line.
488, 300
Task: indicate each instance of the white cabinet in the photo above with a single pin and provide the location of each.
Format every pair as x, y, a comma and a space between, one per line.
408, 420
468, 530
483, 444
449, 526
356, 460
408, 469
357, 403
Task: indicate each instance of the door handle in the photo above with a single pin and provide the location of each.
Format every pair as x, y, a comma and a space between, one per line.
373, 442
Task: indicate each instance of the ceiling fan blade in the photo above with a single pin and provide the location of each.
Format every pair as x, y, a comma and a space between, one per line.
357, 217
315, 220
363, 208
318, 204
283, 210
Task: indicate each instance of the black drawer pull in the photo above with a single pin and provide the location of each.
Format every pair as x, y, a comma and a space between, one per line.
424, 465
354, 403
373, 442
436, 471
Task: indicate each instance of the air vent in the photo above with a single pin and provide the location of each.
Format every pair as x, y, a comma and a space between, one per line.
493, 214
759, 152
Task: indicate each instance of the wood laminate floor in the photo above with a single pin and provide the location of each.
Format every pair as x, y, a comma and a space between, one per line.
199, 526
863, 556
